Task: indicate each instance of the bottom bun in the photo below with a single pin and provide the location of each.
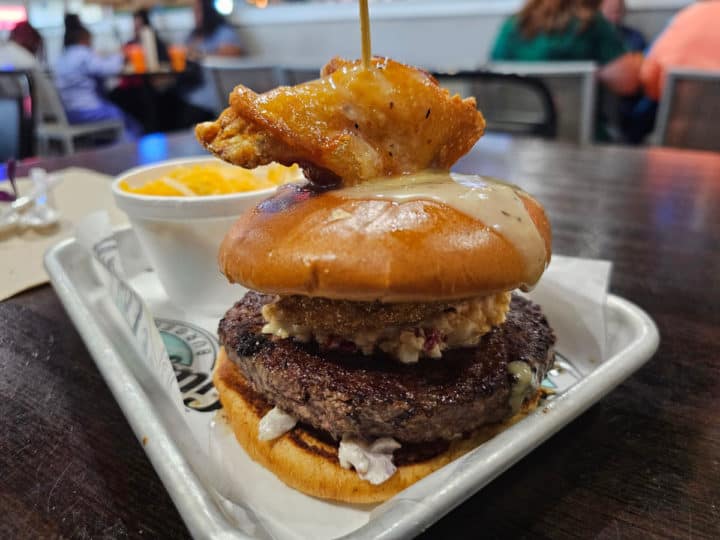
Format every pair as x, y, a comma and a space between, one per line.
309, 464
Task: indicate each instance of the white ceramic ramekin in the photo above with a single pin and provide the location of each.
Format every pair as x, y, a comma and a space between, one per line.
181, 236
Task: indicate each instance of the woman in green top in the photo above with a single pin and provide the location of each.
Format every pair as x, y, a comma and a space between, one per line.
567, 30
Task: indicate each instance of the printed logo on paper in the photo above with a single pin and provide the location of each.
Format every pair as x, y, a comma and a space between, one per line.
192, 351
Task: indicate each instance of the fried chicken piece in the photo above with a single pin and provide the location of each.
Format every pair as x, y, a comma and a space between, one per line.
351, 124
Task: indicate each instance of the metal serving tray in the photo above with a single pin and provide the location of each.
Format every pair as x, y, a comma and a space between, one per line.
632, 338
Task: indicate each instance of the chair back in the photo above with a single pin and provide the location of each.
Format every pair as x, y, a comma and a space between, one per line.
299, 75
689, 110
510, 103
228, 73
573, 89
17, 110
50, 109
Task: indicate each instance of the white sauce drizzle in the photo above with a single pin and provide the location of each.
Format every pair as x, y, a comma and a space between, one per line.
372, 462
274, 424
492, 202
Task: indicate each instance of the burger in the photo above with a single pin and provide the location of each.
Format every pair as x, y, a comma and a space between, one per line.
381, 336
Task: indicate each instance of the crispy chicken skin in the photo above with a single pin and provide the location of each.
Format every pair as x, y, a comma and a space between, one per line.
351, 124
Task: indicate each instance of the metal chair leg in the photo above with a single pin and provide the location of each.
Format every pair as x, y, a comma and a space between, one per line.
41, 146
68, 145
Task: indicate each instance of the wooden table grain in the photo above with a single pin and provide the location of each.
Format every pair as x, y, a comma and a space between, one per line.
642, 463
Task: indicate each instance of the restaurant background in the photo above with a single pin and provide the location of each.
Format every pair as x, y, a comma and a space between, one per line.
432, 33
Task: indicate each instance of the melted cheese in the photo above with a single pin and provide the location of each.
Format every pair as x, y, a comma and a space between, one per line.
523, 386
494, 203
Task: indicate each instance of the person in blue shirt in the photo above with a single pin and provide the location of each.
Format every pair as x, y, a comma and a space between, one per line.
212, 36
78, 74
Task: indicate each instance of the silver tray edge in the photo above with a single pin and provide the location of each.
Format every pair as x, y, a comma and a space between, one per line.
401, 517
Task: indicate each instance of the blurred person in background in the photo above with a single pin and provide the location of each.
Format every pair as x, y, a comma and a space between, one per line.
569, 30
212, 36
22, 49
79, 73
633, 115
614, 11
141, 19
691, 40
18, 53
72, 25
152, 106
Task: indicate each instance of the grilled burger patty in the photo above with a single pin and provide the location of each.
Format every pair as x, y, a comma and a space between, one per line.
373, 396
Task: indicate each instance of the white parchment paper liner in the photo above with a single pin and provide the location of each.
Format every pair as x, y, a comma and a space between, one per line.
572, 294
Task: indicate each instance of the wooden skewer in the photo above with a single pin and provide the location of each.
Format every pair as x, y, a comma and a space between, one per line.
365, 31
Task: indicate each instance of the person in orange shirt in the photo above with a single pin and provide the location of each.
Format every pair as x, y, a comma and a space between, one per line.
691, 40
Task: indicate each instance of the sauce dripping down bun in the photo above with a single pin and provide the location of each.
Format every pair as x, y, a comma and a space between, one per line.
417, 238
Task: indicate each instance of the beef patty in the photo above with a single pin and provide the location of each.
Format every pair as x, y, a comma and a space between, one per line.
374, 396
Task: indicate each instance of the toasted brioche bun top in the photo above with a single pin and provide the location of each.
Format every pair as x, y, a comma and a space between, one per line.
367, 249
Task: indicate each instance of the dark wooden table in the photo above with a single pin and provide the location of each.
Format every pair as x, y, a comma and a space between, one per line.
642, 463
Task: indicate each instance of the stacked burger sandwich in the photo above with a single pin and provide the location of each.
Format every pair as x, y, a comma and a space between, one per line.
380, 338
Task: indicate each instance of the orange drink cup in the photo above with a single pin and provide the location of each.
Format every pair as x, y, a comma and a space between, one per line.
178, 55
136, 55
